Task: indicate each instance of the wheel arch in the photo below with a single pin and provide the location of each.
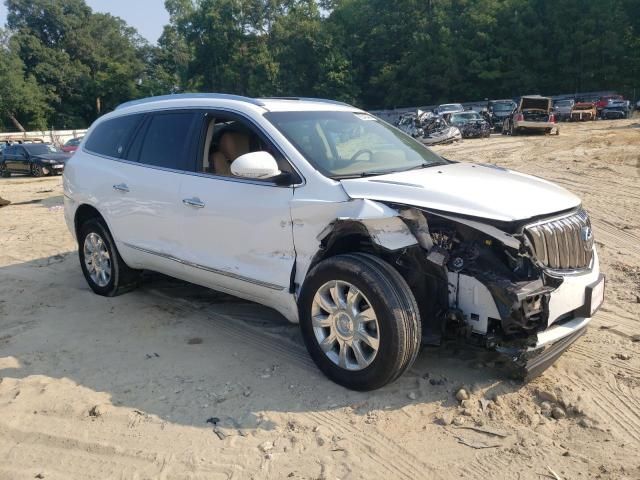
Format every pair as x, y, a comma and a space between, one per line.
84, 213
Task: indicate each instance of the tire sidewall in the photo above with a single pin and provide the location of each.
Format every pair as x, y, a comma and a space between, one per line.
98, 227
382, 367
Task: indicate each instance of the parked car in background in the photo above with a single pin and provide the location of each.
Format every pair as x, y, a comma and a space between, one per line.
583, 111
498, 111
36, 159
471, 124
391, 244
562, 109
71, 145
604, 100
616, 109
534, 113
449, 108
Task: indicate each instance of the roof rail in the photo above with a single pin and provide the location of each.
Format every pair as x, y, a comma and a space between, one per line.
307, 99
187, 96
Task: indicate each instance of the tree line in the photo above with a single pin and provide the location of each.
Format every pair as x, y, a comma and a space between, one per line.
62, 65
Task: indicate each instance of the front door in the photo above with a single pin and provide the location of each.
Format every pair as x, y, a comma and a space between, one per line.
237, 233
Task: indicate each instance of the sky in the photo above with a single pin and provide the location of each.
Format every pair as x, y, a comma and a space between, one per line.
146, 16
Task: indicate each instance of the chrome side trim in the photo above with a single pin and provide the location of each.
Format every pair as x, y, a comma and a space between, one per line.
207, 269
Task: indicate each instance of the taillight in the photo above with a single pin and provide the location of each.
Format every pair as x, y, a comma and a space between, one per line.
552, 118
519, 117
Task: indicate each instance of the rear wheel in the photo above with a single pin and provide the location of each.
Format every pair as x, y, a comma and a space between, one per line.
103, 268
4, 173
359, 320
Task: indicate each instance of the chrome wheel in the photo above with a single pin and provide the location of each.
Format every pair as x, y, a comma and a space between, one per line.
345, 325
97, 259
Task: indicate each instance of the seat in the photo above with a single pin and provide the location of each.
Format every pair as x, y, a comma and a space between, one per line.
231, 146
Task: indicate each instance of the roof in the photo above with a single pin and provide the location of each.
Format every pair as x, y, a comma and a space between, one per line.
268, 104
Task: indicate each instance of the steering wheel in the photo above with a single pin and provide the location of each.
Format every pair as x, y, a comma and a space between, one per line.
360, 152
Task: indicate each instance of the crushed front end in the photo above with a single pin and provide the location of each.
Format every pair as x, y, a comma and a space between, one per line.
526, 289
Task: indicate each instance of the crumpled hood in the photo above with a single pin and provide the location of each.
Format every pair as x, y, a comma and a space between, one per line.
484, 191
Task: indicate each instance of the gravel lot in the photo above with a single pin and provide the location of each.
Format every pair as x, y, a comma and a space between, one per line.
94, 387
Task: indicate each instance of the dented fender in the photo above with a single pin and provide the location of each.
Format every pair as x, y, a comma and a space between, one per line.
381, 223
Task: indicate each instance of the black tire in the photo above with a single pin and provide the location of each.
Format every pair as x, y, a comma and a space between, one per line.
122, 278
4, 173
395, 308
36, 170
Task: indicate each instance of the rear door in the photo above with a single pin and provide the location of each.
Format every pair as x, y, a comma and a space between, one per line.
146, 210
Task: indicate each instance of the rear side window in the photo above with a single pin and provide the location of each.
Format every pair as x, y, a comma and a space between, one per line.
167, 141
110, 137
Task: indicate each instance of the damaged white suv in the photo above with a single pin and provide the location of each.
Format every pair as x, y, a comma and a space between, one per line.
340, 222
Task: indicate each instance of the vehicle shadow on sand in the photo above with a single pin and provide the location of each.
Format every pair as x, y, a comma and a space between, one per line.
188, 354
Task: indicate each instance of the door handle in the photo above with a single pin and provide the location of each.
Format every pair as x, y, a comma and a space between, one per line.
193, 202
121, 187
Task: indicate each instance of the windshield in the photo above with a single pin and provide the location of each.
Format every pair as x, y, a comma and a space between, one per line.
503, 106
464, 117
563, 103
74, 142
40, 148
451, 107
351, 144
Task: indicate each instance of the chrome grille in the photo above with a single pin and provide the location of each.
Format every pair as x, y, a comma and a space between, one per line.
564, 243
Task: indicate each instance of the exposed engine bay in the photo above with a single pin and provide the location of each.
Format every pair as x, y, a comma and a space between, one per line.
488, 281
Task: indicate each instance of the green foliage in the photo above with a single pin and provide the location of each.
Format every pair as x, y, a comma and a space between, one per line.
20, 95
64, 65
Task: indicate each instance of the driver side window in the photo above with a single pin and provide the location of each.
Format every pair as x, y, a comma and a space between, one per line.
225, 139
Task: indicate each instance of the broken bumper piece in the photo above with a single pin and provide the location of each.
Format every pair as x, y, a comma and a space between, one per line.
529, 362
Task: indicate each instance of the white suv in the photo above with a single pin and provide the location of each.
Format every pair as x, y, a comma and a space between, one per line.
340, 222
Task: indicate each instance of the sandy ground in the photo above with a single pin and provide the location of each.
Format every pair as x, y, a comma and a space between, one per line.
123, 387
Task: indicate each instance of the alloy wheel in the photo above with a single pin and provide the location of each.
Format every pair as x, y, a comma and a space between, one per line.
97, 259
345, 325
36, 170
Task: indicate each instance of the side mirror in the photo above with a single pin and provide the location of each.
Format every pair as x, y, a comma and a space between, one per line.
256, 165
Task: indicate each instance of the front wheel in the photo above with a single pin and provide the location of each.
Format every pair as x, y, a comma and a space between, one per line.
359, 320
104, 270
36, 170
4, 172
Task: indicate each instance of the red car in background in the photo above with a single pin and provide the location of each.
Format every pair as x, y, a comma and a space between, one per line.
71, 145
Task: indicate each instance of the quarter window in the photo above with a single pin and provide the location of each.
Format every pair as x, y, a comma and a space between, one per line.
110, 137
167, 140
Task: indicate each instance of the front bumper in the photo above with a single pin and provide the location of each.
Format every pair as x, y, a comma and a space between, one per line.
582, 116
529, 362
613, 114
